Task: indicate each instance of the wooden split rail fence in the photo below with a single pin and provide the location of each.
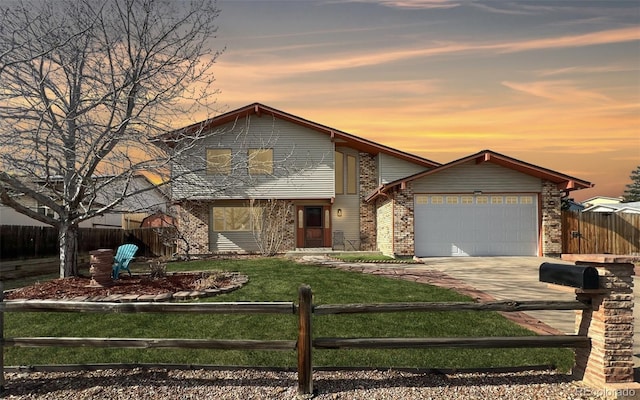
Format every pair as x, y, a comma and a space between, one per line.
305, 342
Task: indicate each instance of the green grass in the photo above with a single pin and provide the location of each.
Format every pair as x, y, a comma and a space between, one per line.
278, 280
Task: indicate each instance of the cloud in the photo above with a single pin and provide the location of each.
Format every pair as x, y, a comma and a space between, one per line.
587, 70
562, 91
348, 60
411, 4
620, 35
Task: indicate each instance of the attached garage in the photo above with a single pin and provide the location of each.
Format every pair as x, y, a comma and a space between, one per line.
485, 204
476, 225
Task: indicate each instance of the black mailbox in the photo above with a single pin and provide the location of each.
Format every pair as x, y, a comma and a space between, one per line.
578, 276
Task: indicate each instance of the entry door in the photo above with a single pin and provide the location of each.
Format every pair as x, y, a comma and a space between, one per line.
313, 232
313, 226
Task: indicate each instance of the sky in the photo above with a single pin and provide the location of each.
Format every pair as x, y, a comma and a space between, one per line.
552, 83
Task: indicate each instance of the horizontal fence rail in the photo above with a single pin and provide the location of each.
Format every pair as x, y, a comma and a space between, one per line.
131, 343
467, 342
145, 307
305, 341
508, 306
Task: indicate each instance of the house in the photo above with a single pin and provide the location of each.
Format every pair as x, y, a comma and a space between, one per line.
128, 214
374, 196
615, 208
601, 200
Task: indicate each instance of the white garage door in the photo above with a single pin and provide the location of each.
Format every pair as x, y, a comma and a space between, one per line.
486, 225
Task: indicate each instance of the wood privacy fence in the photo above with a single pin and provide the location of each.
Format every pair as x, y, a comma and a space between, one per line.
42, 241
600, 233
305, 342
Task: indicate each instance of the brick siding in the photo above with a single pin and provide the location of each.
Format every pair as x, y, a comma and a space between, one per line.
368, 183
551, 199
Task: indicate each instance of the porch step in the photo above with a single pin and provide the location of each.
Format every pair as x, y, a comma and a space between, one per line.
325, 251
314, 249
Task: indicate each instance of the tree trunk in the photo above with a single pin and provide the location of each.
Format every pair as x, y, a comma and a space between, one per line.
68, 243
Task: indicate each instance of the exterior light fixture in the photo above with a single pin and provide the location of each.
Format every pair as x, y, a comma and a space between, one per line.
477, 192
339, 212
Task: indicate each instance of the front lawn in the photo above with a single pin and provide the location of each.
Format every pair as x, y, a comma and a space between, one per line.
278, 280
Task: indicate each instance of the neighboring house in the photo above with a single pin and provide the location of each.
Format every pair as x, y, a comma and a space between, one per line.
128, 214
376, 197
615, 208
601, 200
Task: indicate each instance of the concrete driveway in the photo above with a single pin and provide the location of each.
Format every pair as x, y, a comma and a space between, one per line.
516, 278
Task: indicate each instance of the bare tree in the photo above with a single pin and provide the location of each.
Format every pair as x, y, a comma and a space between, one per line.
270, 220
86, 85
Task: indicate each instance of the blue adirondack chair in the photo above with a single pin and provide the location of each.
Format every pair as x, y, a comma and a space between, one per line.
123, 257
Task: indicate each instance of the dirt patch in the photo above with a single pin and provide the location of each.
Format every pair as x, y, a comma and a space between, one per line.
78, 287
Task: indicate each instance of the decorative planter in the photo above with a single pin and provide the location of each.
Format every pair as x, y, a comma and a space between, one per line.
101, 266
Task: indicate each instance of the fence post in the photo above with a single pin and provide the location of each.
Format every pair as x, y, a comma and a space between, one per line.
608, 364
1, 339
305, 378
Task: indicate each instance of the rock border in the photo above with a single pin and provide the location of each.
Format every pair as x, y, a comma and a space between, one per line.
237, 281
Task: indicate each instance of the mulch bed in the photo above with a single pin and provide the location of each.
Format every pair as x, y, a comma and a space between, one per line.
69, 288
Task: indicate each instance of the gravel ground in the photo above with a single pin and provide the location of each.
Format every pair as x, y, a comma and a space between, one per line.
260, 384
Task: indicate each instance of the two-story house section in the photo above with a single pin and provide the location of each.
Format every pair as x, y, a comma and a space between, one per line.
343, 191
259, 153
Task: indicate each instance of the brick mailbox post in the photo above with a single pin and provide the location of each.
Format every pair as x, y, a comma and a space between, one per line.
608, 364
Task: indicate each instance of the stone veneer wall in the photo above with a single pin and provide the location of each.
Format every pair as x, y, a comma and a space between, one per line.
368, 183
609, 323
403, 226
384, 237
551, 200
193, 223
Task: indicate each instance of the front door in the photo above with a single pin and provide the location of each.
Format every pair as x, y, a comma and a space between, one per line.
313, 236
313, 226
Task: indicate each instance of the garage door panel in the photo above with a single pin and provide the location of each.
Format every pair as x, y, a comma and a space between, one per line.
501, 226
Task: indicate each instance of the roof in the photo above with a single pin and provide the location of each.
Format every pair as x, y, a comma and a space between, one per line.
602, 200
564, 182
339, 137
631, 207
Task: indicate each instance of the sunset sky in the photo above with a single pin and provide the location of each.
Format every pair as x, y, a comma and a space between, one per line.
553, 83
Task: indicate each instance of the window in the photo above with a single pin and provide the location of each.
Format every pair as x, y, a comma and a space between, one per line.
260, 161
422, 199
526, 200
436, 200
482, 200
218, 161
339, 173
511, 200
496, 199
466, 199
231, 219
351, 175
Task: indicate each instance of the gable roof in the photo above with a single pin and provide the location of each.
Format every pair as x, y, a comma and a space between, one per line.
602, 200
338, 136
632, 207
564, 182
